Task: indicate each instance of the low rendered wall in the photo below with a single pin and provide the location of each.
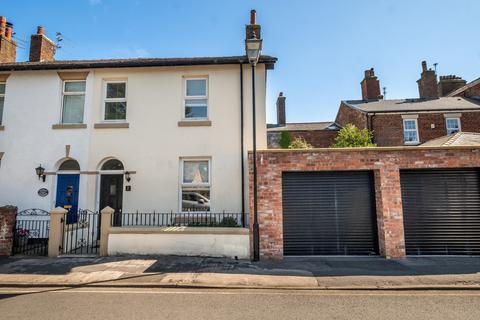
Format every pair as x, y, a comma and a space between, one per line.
213, 242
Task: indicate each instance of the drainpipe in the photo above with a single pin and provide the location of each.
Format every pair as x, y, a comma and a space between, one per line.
242, 145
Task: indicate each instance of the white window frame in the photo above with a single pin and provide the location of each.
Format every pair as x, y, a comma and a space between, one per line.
185, 97
105, 99
64, 93
194, 185
453, 118
2, 95
416, 130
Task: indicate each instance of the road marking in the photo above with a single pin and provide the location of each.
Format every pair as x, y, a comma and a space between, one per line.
290, 293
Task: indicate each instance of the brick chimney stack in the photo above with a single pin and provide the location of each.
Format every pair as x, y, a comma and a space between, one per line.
253, 27
8, 47
427, 84
449, 84
41, 48
370, 86
281, 115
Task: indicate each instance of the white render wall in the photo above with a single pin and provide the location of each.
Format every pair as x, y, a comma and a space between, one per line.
210, 245
152, 146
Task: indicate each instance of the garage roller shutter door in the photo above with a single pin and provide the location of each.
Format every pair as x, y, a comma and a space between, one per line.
441, 211
329, 213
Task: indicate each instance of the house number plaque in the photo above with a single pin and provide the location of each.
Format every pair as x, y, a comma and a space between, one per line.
43, 192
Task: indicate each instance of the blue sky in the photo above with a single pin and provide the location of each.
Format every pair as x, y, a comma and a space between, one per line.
323, 46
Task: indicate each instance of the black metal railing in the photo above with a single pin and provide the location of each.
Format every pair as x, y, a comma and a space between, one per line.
184, 219
81, 233
31, 233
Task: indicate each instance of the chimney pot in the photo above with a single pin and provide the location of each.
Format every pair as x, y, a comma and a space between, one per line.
8, 33
40, 30
253, 17
281, 115
424, 65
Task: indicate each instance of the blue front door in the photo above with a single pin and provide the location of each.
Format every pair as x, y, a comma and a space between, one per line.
67, 195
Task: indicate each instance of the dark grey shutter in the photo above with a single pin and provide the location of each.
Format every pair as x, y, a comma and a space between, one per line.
329, 213
441, 211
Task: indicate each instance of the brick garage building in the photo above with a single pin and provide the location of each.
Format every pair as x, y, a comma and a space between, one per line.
386, 165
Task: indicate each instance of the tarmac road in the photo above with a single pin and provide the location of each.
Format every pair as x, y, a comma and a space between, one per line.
160, 303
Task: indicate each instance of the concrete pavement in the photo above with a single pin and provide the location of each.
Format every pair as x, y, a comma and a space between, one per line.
299, 273
212, 304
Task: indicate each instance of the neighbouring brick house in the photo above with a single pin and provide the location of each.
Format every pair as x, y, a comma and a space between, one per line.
443, 108
318, 134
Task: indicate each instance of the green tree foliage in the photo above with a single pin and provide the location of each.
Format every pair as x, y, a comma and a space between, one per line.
285, 139
350, 137
299, 143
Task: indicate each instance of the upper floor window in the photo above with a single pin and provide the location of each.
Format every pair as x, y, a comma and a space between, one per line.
115, 101
73, 101
453, 125
195, 185
2, 99
410, 131
196, 98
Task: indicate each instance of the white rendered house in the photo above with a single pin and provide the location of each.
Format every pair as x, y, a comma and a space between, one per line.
133, 134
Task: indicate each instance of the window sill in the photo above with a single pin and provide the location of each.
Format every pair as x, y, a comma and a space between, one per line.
195, 123
2, 128
411, 143
113, 125
69, 126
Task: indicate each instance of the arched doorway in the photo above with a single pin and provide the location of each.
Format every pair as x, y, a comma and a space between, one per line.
68, 181
111, 187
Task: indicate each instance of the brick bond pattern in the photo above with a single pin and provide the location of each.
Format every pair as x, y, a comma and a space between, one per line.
317, 138
8, 216
386, 164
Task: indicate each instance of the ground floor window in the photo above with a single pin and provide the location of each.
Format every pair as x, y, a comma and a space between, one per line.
195, 185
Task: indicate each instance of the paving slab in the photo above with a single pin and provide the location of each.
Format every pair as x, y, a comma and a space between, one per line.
292, 273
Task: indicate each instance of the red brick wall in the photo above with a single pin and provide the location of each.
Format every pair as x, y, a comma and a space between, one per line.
317, 138
388, 129
8, 216
41, 48
8, 50
385, 162
349, 115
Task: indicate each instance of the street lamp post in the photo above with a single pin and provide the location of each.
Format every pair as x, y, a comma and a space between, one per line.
253, 48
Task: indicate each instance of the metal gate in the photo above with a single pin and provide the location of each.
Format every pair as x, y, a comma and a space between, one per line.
81, 234
441, 211
329, 213
31, 233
